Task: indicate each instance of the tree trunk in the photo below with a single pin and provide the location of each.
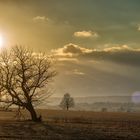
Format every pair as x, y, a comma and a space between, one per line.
33, 113
67, 108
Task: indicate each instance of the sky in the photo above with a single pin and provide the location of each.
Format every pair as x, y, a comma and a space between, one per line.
95, 42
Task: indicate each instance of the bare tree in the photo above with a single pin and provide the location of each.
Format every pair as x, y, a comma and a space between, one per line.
67, 102
23, 77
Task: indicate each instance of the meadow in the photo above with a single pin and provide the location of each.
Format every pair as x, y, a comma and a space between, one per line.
71, 125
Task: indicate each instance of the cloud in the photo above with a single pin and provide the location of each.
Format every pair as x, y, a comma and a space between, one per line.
86, 34
67, 59
118, 54
122, 54
136, 25
117, 48
138, 28
75, 72
71, 50
40, 19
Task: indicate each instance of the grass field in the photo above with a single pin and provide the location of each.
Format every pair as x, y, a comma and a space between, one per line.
71, 125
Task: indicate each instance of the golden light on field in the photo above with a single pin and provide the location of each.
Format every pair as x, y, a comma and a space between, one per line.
1, 41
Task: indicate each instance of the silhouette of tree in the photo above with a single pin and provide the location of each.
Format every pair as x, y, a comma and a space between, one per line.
104, 109
67, 102
23, 77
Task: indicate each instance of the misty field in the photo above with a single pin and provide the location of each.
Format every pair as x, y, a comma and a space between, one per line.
71, 125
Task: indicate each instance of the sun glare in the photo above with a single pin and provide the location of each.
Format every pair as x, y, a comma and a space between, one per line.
1, 41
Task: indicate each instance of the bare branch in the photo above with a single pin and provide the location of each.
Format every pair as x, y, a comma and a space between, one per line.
22, 76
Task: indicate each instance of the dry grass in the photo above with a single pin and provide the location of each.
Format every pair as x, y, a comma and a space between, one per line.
88, 116
72, 125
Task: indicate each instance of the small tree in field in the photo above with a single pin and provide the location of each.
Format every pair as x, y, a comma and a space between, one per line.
67, 102
23, 77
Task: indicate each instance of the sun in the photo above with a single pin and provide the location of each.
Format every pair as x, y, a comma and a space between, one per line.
1, 41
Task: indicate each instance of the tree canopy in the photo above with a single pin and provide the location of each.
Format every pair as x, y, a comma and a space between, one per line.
67, 102
23, 76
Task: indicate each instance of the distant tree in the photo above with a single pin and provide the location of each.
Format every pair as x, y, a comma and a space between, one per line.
67, 102
121, 109
24, 76
104, 109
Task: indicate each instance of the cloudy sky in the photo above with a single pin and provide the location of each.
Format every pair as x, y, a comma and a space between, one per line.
96, 42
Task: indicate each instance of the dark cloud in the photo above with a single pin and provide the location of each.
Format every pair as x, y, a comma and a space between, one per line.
125, 56
119, 54
71, 48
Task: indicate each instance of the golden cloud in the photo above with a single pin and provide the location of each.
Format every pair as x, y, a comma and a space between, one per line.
71, 50
117, 53
40, 19
86, 34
